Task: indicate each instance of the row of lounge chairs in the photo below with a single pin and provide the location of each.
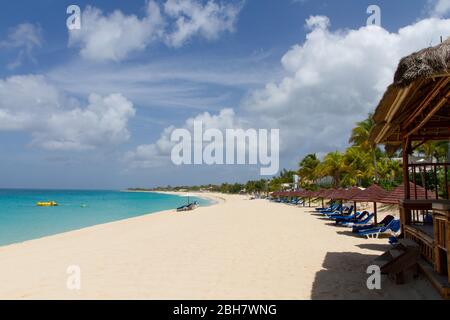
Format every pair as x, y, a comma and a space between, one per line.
344, 216
360, 221
295, 201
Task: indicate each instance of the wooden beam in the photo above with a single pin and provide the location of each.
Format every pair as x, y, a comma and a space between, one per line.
405, 153
430, 97
430, 114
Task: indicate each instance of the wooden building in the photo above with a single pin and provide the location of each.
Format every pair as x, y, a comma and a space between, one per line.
416, 109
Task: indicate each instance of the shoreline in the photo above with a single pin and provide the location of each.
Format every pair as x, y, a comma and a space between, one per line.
213, 201
213, 197
236, 249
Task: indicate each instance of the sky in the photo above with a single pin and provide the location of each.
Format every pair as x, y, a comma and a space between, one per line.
94, 108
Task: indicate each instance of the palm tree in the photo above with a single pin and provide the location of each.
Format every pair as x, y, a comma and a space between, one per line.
390, 170
308, 171
435, 149
359, 166
334, 166
360, 138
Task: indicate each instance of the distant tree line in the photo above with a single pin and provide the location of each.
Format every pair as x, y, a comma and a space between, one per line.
361, 164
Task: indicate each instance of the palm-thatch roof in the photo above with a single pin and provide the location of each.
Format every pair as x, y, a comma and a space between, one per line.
398, 194
372, 194
423, 64
416, 105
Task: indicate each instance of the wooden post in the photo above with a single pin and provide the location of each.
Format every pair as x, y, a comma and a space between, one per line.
437, 252
354, 205
406, 151
406, 148
447, 227
375, 212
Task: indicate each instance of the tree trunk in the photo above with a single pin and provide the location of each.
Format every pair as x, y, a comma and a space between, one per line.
374, 159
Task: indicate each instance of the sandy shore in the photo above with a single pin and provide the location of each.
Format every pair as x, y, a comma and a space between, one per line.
236, 249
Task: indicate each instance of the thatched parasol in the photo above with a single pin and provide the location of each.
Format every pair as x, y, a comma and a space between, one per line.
372, 194
416, 104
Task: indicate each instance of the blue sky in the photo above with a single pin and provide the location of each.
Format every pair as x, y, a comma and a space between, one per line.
79, 112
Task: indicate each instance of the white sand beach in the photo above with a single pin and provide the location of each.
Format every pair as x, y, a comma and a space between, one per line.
235, 249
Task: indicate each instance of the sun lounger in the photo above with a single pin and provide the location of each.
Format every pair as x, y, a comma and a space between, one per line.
352, 218
388, 219
337, 210
332, 207
361, 222
346, 212
393, 227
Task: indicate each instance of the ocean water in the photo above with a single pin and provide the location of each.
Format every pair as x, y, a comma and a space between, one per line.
21, 219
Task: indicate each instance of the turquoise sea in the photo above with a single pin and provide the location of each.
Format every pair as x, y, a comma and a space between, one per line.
21, 219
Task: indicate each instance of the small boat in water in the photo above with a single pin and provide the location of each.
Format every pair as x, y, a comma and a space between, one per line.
188, 207
47, 204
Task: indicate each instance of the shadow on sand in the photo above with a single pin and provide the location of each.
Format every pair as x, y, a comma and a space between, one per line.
344, 277
375, 247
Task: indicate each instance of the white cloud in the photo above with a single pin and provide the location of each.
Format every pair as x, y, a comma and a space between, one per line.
115, 36
57, 122
158, 153
194, 18
439, 8
25, 38
203, 83
334, 79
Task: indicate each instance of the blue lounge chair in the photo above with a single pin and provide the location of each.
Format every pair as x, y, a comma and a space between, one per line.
338, 210
332, 206
393, 227
383, 223
352, 218
346, 212
361, 222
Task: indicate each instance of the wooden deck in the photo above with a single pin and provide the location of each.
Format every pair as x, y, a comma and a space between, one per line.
433, 239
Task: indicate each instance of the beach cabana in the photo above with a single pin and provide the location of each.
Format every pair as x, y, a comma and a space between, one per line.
416, 109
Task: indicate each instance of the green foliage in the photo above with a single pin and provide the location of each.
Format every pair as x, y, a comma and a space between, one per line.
361, 164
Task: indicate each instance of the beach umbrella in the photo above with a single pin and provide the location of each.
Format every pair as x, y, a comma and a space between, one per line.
372, 194
321, 194
324, 194
347, 194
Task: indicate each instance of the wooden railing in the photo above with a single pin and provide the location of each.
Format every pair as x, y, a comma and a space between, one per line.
434, 177
440, 234
414, 214
425, 242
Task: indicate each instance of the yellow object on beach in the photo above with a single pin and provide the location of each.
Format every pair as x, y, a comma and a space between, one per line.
47, 204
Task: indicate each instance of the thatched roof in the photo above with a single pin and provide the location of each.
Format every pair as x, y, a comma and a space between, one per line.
372, 194
324, 193
423, 64
398, 194
350, 193
416, 104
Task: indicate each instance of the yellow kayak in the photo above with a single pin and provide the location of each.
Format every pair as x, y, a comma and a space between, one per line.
47, 204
